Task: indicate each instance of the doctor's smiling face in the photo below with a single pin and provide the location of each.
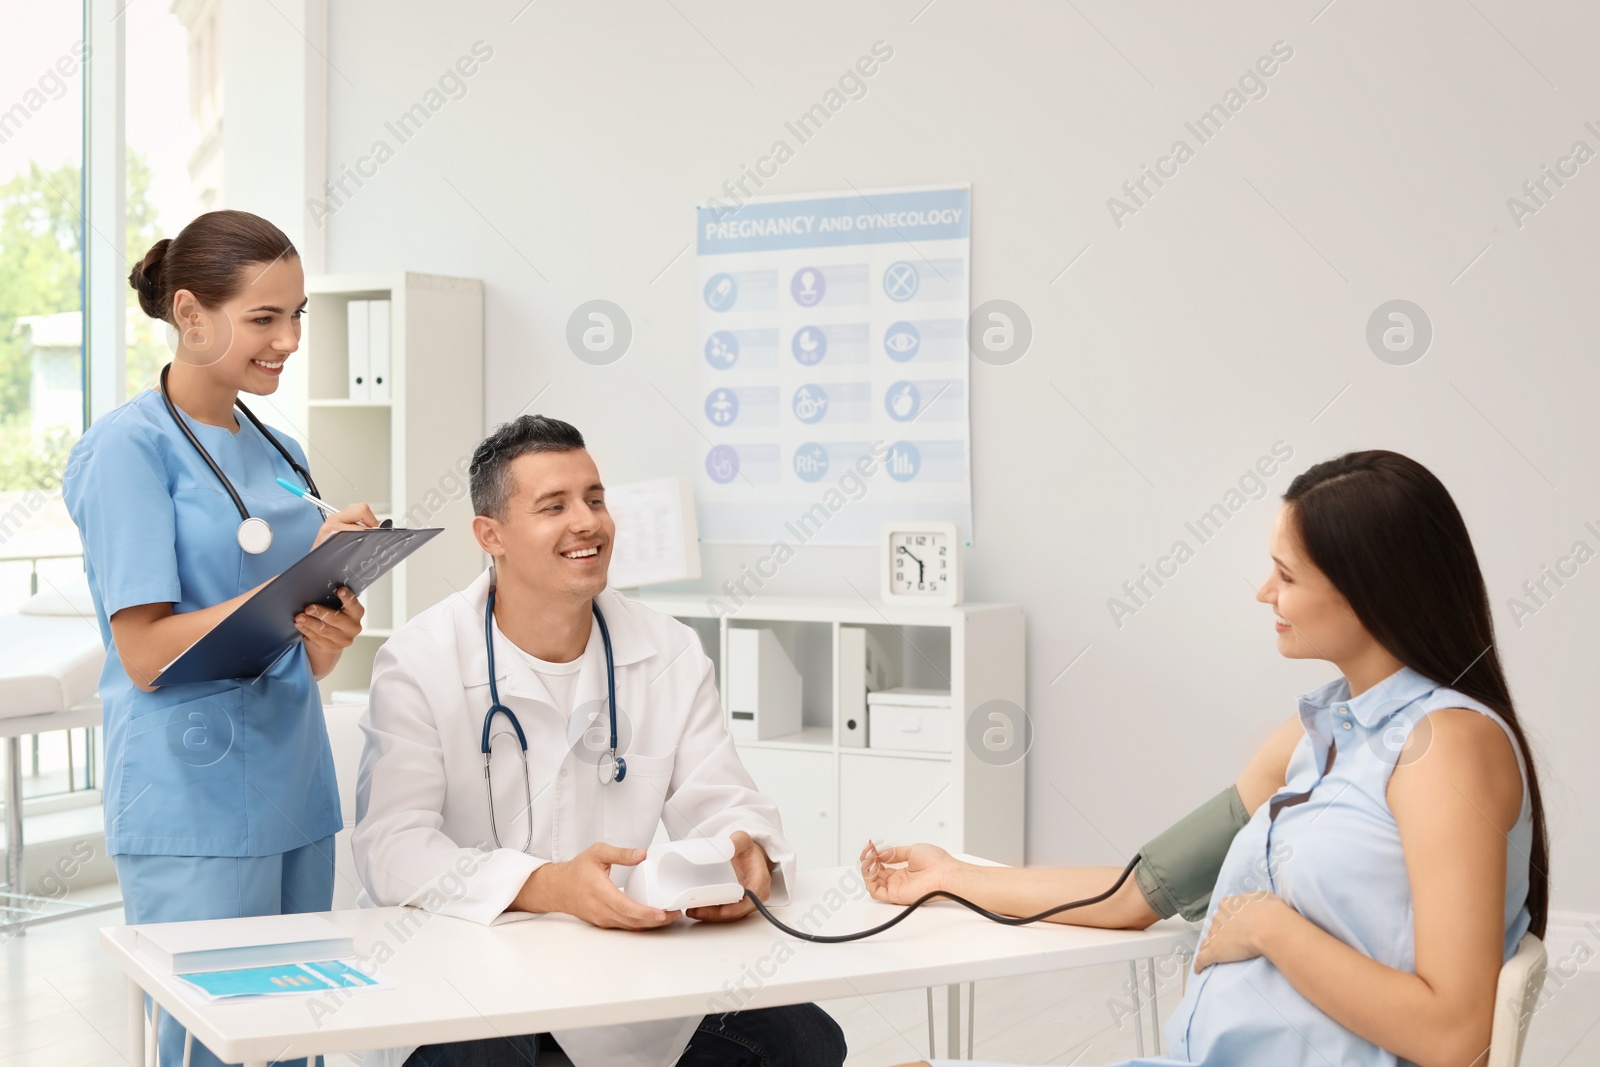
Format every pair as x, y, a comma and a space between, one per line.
541, 510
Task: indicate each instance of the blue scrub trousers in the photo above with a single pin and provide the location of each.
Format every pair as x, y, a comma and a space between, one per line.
160, 889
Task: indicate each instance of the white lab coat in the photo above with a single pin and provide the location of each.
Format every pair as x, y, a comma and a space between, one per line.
422, 812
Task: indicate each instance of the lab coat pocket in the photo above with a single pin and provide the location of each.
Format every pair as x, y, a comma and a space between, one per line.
183, 776
633, 805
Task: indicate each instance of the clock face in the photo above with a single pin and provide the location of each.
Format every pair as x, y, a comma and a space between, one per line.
921, 564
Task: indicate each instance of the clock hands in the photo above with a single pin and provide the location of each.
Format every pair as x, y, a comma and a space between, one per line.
921, 567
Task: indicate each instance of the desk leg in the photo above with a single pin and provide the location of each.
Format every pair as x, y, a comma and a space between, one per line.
1155, 1005
952, 1005
1138, 1007
14, 815
135, 1023
972, 1015
932, 1052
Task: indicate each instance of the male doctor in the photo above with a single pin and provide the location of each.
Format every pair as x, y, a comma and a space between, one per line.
422, 807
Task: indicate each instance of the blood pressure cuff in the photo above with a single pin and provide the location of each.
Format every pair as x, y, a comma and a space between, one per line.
1178, 869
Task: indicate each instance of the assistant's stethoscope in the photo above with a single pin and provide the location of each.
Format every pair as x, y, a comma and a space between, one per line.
255, 534
613, 767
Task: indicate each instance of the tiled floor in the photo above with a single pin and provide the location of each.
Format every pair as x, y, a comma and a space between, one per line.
61, 1004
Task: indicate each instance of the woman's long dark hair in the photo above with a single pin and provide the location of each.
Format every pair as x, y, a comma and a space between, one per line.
1389, 537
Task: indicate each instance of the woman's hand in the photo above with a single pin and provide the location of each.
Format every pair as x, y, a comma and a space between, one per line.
927, 868
329, 631
1240, 928
354, 517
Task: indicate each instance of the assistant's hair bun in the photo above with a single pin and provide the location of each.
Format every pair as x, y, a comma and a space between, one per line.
145, 279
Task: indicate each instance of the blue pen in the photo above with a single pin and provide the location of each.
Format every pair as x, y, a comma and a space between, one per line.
305, 494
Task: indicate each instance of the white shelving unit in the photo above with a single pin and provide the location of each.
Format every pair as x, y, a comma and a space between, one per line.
834, 797
406, 456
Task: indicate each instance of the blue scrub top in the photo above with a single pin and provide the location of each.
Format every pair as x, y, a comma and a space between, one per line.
232, 768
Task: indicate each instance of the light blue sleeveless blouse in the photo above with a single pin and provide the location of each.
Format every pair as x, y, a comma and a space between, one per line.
1335, 857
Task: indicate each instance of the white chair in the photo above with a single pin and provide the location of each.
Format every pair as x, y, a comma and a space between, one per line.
51, 655
1515, 998
344, 736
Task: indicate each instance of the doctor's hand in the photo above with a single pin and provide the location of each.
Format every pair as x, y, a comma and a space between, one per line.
329, 631
750, 863
582, 887
927, 868
354, 517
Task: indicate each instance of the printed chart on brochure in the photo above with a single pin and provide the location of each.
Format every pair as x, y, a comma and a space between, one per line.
833, 371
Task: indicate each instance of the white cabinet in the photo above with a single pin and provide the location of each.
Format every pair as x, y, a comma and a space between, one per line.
801, 784
404, 451
892, 800
834, 796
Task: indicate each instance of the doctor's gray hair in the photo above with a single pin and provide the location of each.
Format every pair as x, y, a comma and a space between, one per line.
490, 470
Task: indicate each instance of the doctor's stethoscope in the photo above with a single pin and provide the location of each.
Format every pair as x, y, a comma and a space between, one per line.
255, 534
613, 768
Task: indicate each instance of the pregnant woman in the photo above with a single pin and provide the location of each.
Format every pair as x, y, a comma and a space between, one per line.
1387, 848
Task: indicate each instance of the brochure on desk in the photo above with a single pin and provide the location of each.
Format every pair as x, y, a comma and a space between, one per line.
287, 979
248, 642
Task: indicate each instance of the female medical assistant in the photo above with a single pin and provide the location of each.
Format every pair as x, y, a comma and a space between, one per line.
220, 798
226, 768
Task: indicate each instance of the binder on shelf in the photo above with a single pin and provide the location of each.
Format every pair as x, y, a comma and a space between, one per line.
359, 349
253, 941
378, 362
763, 687
258, 632
863, 669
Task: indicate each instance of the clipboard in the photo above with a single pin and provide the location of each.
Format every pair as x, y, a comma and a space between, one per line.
256, 635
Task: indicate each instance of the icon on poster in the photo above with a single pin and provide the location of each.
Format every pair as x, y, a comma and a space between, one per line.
904, 461
722, 350
722, 407
810, 462
722, 464
902, 341
901, 281
809, 346
808, 286
903, 401
810, 403
721, 292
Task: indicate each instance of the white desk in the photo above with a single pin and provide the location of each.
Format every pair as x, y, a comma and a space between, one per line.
457, 981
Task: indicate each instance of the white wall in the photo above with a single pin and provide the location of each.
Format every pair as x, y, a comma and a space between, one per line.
1224, 316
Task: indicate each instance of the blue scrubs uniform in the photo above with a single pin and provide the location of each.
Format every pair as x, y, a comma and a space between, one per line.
219, 796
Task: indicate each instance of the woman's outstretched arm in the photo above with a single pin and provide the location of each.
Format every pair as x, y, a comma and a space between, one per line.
901, 875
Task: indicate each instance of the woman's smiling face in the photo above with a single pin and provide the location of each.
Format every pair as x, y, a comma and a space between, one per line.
1314, 620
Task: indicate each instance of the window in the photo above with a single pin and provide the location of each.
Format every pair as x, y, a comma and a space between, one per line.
173, 119
41, 331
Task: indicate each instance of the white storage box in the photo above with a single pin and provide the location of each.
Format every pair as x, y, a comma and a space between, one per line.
911, 720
